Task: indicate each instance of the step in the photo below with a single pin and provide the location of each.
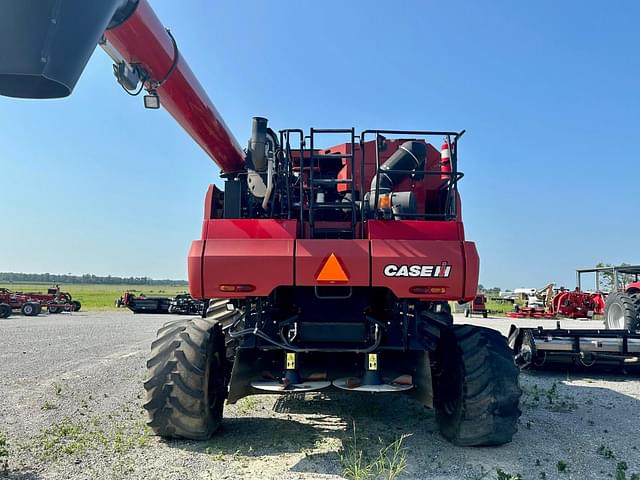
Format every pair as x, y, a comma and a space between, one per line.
331, 181
333, 206
332, 231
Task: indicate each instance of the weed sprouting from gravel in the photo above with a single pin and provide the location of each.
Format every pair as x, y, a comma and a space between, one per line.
502, 475
621, 470
389, 463
4, 453
49, 406
535, 396
562, 466
57, 388
606, 452
247, 405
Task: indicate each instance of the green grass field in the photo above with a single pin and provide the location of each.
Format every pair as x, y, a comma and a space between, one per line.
98, 296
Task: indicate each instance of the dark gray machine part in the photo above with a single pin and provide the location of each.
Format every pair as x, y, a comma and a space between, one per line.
46, 44
580, 348
410, 156
257, 157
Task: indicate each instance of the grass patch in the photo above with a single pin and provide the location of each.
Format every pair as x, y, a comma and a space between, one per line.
247, 405
550, 399
99, 296
49, 406
606, 452
499, 308
71, 438
502, 475
562, 466
4, 453
389, 462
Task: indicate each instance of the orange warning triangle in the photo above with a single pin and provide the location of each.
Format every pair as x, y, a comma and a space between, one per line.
332, 271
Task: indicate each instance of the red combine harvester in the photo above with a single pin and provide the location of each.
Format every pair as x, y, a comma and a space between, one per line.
320, 266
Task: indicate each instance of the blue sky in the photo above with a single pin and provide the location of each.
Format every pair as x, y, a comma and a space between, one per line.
548, 93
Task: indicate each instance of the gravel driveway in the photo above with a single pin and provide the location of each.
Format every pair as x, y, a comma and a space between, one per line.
71, 407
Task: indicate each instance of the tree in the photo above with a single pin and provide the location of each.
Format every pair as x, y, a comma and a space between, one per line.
606, 277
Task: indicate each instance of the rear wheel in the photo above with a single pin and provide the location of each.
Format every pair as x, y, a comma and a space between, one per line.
485, 314
187, 377
5, 310
622, 311
476, 391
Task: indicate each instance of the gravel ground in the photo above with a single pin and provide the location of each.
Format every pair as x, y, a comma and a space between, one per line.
71, 407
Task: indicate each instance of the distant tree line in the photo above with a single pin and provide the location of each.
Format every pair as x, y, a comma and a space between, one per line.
14, 277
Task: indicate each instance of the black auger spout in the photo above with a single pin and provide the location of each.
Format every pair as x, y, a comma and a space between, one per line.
46, 44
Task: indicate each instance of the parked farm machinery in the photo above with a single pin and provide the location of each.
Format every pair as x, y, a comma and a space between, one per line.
575, 348
615, 346
31, 303
478, 306
183, 304
548, 303
319, 266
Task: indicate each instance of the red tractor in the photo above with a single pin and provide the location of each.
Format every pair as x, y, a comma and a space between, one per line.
320, 266
622, 304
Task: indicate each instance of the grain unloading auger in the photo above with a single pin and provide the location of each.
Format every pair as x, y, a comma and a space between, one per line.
320, 267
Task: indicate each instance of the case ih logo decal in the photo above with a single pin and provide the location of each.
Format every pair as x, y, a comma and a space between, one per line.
429, 271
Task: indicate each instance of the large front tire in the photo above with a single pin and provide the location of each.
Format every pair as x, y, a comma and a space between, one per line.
622, 311
476, 391
186, 379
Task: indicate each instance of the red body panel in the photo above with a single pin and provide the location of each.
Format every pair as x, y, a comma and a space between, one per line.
633, 287
262, 263
142, 39
249, 229
423, 253
472, 270
311, 256
242, 252
414, 230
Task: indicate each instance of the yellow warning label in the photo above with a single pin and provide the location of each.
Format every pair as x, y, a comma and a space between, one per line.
373, 361
291, 361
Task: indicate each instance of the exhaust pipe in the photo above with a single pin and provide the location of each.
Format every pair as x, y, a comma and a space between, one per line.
258, 144
46, 44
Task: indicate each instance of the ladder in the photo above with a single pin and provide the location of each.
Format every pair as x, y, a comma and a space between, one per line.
314, 205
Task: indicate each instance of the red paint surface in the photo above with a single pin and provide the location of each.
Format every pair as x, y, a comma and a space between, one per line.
142, 39
250, 229
472, 272
419, 252
353, 256
414, 230
263, 263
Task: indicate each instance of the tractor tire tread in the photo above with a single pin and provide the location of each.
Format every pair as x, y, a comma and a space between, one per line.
489, 407
176, 384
